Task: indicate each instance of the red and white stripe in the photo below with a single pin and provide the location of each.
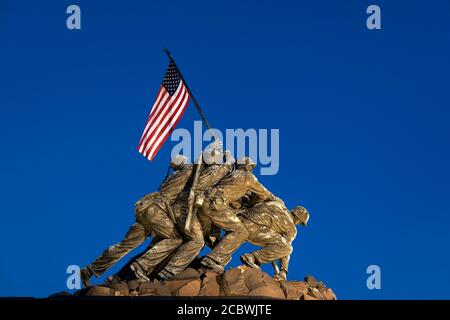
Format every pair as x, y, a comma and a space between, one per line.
164, 116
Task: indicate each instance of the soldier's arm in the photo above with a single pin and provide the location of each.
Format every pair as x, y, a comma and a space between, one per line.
290, 233
225, 168
257, 189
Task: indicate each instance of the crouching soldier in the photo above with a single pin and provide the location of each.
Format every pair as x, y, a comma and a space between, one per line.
213, 172
153, 217
220, 210
272, 226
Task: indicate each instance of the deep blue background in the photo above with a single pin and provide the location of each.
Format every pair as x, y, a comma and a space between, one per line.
363, 117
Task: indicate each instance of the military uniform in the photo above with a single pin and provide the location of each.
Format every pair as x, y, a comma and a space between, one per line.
152, 219
220, 210
193, 238
270, 225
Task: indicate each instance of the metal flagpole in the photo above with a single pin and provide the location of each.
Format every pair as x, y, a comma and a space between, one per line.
197, 106
199, 164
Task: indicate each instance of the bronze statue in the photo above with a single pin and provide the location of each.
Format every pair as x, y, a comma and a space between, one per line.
272, 226
220, 209
153, 218
211, 174
191, 208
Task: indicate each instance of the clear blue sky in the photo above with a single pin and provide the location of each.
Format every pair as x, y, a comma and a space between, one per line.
363, 118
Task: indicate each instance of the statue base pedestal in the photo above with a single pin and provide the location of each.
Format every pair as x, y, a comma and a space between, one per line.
240, 282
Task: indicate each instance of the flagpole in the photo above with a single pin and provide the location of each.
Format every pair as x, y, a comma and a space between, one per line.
197, 106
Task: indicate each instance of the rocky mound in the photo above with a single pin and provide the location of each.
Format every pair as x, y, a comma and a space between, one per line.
235, 282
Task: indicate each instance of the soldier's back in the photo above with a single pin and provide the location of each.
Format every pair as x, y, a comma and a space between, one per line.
212, 175
176, 183
272, 214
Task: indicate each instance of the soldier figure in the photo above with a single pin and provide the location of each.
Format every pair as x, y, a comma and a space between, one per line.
220, 209
210, 175
272, 226
153, 218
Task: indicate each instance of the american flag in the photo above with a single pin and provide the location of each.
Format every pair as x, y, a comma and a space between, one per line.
167, 110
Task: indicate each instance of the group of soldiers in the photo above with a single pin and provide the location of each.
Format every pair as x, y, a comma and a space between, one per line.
217, 202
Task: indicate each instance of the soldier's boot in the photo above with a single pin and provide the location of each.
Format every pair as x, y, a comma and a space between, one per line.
85, 276
209, 263
250, 260
138, 271
164, 275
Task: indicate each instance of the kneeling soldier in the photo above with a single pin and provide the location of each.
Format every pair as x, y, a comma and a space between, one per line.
272, 226
219, 210
153, 218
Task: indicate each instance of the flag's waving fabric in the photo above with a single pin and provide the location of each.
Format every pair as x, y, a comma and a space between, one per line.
169, 106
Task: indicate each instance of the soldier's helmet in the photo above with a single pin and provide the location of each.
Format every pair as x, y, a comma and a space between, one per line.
301, 215
177, 162
245, 163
